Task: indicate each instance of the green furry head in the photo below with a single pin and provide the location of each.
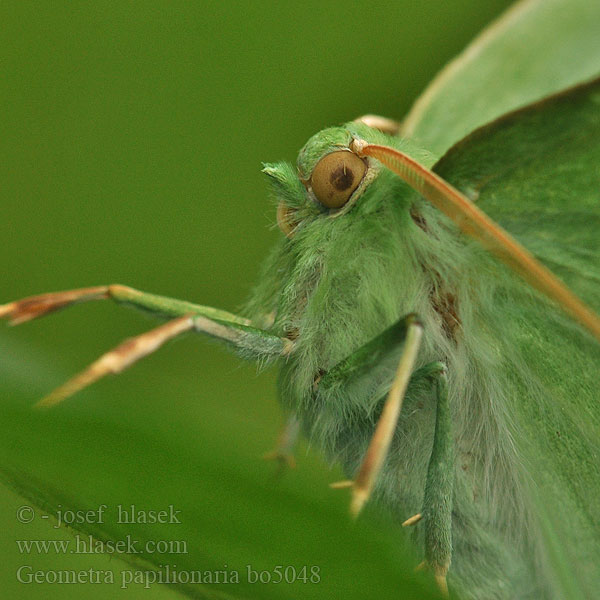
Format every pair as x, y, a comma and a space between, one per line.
287, 181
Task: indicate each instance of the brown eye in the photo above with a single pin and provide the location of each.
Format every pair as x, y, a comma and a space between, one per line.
336, 176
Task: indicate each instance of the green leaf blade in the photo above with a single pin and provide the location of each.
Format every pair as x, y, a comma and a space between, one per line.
536, 48
230, 520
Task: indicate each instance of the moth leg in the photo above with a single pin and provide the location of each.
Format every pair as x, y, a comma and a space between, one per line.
284, 450
410, 331
118, 359
437, 502
248, 341
38, 306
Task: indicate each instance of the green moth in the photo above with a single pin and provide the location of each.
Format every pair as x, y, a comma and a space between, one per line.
450, 389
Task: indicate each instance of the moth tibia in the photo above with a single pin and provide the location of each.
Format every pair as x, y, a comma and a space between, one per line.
412, 520
340, 485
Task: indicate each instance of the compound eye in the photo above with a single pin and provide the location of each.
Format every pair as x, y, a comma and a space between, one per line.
336, 176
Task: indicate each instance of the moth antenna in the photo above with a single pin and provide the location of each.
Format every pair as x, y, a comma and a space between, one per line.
383, 124
477, 224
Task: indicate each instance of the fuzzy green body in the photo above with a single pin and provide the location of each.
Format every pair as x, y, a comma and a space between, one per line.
518, 373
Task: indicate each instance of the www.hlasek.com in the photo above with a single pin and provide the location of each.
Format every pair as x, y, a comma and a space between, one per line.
169, 574
87, 544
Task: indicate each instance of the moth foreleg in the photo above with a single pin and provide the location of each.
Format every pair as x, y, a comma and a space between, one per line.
118, 359
247, 340
33, 307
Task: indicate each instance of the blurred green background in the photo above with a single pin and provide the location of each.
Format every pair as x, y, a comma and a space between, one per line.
132, 137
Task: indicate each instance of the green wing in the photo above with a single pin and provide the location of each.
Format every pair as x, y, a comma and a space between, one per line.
536, 48
537, 172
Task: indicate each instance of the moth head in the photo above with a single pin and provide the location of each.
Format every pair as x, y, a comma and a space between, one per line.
329, 177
